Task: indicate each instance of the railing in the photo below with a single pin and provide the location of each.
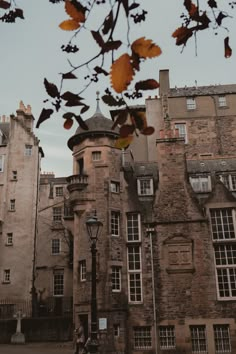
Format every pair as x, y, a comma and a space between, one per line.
9, 307
77, 182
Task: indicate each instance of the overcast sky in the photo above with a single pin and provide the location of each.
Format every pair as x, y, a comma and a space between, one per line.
30, 51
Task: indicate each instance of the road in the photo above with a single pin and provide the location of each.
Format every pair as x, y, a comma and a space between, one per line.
37, 348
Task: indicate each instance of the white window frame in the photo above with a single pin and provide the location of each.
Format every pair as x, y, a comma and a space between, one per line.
134, 266
222, 338
115, 187
1, 163
199, 339
142, 337
133, 227
167, 337
55, 246
191, 103
182, 128
229, 180
201, 183
82, 270
116, 279
116, 330
58, 283
9, 239
222, 101
12, 204
115, 223
145, 186
96, 155
59, 191
6, 276
28, 150
57, 216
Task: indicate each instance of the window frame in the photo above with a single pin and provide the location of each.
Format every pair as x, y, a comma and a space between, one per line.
142, 334
82, 270
145, 190
198, 339
116, 279
12, 205
201, 181
115, 187
56, 216
183, 133
54, 247
132, 226
6, 276
222, 339
167, 338
229, 180
222, 102
28, 150
61, 283
115, 223
2, 163
9, 236
61, 193
191, 104
135, 286
96, 155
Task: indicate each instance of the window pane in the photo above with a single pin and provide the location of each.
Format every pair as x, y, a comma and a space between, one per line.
115, 223
133, 227
222, 224
58, 283
222, 339
116, 278
167, 337
142, 337
198, 338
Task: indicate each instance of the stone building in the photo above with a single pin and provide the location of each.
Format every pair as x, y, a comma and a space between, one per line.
166, 256
20, 156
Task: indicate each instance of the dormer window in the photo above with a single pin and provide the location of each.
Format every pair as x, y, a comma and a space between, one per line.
145, 186
191, 103
201, 184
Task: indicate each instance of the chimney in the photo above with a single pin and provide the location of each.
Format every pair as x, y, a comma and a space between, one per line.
164, 82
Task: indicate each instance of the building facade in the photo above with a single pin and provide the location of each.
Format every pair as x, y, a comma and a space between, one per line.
166, 256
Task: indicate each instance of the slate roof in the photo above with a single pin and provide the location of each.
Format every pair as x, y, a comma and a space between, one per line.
202, 90
219, 165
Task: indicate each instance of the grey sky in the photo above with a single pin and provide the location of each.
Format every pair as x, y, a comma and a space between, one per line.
30, 51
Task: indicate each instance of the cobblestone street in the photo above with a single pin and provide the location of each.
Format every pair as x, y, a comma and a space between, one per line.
37, 348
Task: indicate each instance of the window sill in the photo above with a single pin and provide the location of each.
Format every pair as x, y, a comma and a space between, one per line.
8, 244
11, 211
6, 282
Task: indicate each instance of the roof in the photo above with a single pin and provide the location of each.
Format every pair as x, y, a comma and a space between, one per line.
5, 128
202, 90
214, 164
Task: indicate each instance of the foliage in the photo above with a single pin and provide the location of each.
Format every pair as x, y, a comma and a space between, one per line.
118, 57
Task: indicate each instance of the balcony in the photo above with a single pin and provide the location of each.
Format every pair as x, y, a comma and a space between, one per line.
77, 182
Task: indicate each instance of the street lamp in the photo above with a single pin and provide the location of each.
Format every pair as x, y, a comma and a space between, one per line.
93, 227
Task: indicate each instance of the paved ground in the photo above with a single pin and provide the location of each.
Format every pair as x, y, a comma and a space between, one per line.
37, 348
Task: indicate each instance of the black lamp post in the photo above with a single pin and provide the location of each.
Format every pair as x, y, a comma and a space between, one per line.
93, 227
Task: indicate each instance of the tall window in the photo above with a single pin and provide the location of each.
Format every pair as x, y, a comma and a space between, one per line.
116, 278
223, 234
82, 270
96, 155
115, 223
167, 337
133, 227
191, 103
58, 283
200, 184
134, 273
6, 276
59, 191
9, 239
12, 204
56, 246
28, 150
142, 337
57, 214
14, 175
222, 101
115, 187
229, 181
182, 131
145, 186
222, 339
1, 163
116, 330
198, 338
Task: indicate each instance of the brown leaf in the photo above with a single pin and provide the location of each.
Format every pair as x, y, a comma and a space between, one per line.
139, 119
68, 115
19, 13
145, 48
100, 70
108, 23
125, 4
135, 61
68, 123
191, 8
121, 73
84, 109
149, 84
121, 119
228, 50
111, 45
98, 38
75, 13
148, 131
122, 143
126, 130
182, 34
111, 101
51, 89
70, 96
82, 123
4, 5
69, 75
212, 3
44, 115
69, 25
220, 17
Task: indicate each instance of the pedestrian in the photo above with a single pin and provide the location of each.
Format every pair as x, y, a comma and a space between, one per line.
79, 338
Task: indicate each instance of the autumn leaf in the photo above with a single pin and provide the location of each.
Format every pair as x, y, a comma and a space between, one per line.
182, 34
69, 25
111, 45
220, 17
126, 130
68, 123
68, 115
111, 101
70, 96
148, 131
139, 119
121, 73
149, 84
4, 5
212, 3
44, 115
82, 123
69, 75
108, 22
51, 89
145, 48
73, 12
121, 119
228, 50
98, 38
122, 143
100, 70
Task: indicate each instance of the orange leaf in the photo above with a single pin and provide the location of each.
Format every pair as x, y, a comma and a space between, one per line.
182, 34
121, 73
69, 25
68, 123
73, 12
145, 48
122, 143
228, 50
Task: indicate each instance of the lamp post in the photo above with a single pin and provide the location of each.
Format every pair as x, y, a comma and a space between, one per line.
93, 227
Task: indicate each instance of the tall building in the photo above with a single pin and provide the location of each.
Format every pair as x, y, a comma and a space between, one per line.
20, 156
166, 256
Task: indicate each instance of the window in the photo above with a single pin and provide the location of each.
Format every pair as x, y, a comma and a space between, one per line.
182, 131
167, 337
222, 339
142, 337
222, 101
134, 273
12, 205
28, 150
229, 181
82, 270
9, 239
57, 214
198, 338
6, 276
96, 155
222, 224
191, 103
115, 223
56, 246
59, 191
1, 163
116, 278
116, 330
145, 186
133, 227
14, 175
200, 184
115, 187
58, 283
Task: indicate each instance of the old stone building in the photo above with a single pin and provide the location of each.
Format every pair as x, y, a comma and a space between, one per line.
166, 253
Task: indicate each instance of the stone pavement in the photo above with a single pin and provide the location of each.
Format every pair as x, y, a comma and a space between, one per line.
37, 348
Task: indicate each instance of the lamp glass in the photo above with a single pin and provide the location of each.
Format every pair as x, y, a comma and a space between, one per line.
93, 226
